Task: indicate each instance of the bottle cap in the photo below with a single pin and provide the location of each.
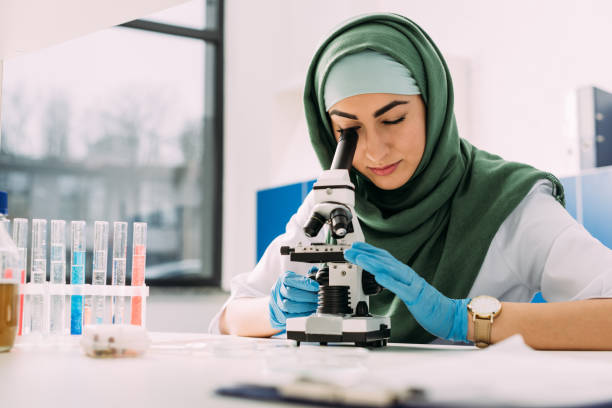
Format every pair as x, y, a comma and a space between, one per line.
3, 202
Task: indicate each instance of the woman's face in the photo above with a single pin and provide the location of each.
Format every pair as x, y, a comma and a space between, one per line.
391, 131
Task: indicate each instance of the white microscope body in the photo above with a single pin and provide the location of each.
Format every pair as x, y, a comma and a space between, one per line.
343, 312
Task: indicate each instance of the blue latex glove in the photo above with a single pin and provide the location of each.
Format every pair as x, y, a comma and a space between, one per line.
439, 315
293, 295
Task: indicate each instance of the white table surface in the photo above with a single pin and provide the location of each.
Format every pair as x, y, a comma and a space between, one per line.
183, 370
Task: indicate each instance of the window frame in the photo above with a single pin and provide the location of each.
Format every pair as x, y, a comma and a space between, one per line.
212, 162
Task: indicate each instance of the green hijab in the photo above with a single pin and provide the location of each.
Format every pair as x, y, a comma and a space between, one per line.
441, 222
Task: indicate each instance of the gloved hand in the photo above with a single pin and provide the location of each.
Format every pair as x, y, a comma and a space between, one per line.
293, 295
439, 315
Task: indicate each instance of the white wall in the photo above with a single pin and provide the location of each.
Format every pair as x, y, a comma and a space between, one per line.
517, 64
28, 25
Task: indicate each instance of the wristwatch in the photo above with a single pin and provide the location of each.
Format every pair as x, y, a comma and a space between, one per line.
484, 309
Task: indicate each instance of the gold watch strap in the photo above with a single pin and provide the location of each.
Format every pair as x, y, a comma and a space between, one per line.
482, 332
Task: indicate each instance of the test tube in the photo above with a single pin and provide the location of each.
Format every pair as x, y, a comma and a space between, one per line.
20, 238
6, 265
38, 272
99, 267
77, 275
120, 230
57, 275
139, 256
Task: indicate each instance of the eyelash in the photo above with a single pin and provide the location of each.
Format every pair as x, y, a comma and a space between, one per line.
394, 122
340, 130
386, 122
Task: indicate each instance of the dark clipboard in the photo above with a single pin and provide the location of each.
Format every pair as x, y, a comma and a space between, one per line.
411, 398
415, 400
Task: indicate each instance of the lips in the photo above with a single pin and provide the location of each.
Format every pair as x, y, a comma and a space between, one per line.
386, 170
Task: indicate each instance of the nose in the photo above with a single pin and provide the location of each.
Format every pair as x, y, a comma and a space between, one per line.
376, 147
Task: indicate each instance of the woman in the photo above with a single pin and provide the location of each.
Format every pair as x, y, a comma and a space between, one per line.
444, 222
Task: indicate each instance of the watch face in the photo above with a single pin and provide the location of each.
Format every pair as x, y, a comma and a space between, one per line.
485, 305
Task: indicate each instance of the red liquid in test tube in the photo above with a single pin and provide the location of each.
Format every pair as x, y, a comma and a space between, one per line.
139, 256
20, 238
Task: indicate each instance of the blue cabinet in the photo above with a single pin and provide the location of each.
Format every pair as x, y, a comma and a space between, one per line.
275, 206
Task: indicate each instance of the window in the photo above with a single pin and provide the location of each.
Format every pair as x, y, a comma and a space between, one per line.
125, 125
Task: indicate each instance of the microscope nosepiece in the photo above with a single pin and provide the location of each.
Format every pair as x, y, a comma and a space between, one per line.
340, 219
314, 225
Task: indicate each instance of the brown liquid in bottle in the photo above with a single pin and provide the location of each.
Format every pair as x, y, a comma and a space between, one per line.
9, 297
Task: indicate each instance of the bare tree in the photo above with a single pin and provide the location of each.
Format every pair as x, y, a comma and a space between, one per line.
56, 125
16, 115
130, 129
192, 140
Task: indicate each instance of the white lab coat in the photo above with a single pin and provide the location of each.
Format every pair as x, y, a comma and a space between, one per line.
539, 247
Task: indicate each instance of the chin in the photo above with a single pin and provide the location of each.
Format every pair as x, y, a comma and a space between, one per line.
383, 184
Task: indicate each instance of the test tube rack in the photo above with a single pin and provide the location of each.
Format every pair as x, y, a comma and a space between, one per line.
55, 307
47, 289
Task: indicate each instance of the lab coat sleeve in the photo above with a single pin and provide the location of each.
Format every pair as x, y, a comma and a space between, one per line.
578, 266
547, 250
259, 281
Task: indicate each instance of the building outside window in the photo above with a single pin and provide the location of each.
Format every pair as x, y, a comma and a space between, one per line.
124, 125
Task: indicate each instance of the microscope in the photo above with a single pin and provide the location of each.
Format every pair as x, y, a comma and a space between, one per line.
342, 314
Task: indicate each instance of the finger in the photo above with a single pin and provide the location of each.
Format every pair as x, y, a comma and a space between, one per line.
364, 246
277, 315
381, 263
399, 288
298, 295
352, 253
410, 294
374, 263
300, 282
290, 306
290, 315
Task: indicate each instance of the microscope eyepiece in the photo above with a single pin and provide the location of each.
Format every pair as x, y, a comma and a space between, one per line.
347, 143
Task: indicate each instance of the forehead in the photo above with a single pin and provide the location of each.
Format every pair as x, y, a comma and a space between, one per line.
367, 103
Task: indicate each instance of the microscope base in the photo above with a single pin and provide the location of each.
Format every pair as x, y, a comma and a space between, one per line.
372, 331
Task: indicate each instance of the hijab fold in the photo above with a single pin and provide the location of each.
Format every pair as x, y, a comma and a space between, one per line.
441, 222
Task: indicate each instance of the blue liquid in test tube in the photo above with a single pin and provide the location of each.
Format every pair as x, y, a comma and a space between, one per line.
77, 275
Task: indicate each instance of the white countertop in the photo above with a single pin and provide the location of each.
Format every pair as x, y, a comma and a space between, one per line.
183, 370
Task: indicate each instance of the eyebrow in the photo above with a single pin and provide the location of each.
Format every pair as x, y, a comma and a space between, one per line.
388, 107
344, 114
379, 112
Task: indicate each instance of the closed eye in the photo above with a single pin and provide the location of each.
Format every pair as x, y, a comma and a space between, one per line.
394, 122
340, 130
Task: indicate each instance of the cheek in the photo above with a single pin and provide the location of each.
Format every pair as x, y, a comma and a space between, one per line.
359, 159
405, 141
411, 142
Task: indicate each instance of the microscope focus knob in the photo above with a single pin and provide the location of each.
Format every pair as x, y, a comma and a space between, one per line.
312, 273
362, 309
369, 284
